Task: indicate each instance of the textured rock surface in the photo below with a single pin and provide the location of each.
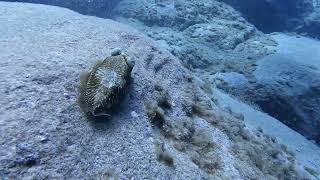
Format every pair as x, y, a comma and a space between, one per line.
267, 15
100, 8
200, 33
286, 84
311, 24
211, 37
167, 128
180, 14
256, 119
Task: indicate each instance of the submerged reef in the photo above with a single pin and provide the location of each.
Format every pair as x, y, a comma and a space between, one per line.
105, 85
173, 123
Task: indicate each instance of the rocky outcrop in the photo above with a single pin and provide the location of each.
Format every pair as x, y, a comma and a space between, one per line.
210, 36
268, 16
180, 14
285, 84
166, 127
100, 8
200, 33
311, 24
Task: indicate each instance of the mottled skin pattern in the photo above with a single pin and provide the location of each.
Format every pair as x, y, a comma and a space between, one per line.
104, 85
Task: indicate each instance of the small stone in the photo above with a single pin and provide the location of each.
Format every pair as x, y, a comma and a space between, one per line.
43, 139
116, 52
134, 114
298, 150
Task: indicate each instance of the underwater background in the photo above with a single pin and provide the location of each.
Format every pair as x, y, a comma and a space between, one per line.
220, 89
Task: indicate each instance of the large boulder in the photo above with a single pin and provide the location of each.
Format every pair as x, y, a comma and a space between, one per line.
285, 84
268, 16
182, 26
166, 127
100, 8
223, 35
311, 24
179, 14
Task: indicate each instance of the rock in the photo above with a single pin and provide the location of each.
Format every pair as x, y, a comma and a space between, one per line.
100, 8
179, 14
41, 42
183, 26
264, 123
311, 24
233, 79
200, 34
268, 16
286, 84
60, 44
219, 33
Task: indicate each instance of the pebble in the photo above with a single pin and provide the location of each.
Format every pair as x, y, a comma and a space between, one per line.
134, 114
